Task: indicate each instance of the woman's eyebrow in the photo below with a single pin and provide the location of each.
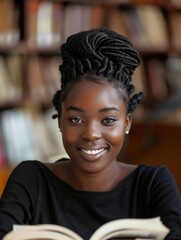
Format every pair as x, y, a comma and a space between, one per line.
108, 109
73, 108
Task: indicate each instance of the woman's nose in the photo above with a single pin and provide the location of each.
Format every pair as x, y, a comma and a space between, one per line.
91, 131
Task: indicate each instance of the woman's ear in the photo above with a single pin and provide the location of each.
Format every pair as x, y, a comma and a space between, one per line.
128, 123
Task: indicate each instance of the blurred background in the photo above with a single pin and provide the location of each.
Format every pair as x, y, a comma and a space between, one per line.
31, 33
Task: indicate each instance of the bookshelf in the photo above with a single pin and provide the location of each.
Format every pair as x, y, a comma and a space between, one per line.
30, 37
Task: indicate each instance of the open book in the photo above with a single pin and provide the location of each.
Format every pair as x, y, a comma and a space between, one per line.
151, 229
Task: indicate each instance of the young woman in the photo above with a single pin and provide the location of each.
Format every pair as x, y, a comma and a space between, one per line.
94, 109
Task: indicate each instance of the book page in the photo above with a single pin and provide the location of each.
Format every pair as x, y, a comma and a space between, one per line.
132, 228
41, 231
26, 234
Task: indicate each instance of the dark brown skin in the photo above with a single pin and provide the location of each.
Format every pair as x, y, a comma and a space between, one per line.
93, 118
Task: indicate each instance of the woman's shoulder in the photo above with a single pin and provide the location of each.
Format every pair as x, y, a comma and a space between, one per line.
31, 173
153, 169
27, 166
156, 175
25, 170
31, 169
145, 173
36, 164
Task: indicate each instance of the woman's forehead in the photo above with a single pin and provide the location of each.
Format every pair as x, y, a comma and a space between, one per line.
88, 94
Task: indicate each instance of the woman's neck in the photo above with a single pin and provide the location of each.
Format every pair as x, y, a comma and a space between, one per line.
97, 182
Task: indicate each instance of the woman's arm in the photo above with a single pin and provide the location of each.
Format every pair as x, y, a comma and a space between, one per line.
166, 202
19, 197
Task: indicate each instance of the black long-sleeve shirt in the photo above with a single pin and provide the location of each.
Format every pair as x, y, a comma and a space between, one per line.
35, 195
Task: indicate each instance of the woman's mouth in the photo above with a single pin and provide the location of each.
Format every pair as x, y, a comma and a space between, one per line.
92, 154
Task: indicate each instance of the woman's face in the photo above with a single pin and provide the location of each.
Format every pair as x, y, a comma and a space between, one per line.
93, 124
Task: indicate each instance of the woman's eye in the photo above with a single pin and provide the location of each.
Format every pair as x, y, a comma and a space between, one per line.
76, 120
108, 121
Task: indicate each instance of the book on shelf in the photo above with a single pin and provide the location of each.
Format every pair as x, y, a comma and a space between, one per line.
97, 16
175, 21
11, 82
158, 89
48, 24
15, 66
119, 21
57, 150
47, 137
9, 29
50, 75
17, 130
76, 18
35, 83
156, 33
173, 72
152, 229
44, 23
42, 88
5, 85
128, 23
134, 22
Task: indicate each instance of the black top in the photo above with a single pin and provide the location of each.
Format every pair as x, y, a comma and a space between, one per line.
34, 195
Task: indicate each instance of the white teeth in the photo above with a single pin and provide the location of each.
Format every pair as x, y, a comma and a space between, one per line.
92, 152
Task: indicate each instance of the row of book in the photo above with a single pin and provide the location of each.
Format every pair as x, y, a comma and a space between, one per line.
163, 78
25, 134
134, 22
42, 78
163, 90
47, 23
158, 79
11, 78
52, 22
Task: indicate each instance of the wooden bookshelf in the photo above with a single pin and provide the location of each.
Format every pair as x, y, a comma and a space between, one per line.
30, 38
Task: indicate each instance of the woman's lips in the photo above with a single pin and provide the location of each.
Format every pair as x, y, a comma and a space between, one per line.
92, 154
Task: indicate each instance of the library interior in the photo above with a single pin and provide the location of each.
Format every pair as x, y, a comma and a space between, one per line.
31, 33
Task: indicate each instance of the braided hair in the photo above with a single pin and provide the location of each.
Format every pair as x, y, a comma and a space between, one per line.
98, 53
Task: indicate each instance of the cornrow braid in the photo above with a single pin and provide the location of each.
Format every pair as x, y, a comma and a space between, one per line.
99, 52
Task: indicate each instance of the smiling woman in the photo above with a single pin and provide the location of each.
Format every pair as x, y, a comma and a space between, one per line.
97, 120
94, 112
